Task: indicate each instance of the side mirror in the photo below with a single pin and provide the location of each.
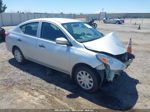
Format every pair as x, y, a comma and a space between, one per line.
62, 41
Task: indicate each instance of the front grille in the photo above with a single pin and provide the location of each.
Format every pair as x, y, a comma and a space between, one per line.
124, 57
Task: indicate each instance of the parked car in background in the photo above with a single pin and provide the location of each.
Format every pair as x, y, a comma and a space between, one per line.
2, 34
72, 47
113, 21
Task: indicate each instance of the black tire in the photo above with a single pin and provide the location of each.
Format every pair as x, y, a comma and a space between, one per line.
22, 59
95, 77
2, 34
94, 25
118, 22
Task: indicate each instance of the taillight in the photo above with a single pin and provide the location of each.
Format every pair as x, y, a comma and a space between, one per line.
7, 34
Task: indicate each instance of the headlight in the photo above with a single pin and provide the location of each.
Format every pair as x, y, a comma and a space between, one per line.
104, 58
113, 63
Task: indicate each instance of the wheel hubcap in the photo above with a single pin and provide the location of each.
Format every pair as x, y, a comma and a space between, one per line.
85, 80
18, 55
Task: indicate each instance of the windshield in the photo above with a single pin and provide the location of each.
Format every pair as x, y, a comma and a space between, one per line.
82, 32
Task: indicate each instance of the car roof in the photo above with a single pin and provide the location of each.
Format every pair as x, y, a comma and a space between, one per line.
56, 20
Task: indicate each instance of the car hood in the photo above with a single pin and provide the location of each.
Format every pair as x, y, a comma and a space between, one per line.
109, 44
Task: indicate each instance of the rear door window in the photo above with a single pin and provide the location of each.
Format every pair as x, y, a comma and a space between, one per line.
30, 28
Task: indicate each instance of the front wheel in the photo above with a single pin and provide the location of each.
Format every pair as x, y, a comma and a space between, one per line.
87, 79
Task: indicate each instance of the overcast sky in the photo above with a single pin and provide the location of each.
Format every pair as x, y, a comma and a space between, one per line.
78, 6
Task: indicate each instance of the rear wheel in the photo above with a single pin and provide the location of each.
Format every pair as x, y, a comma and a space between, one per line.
18, 55
87, 79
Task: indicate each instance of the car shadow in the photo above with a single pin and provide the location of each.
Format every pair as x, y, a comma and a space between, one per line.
118, 95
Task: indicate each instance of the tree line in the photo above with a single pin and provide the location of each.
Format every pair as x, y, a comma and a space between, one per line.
3, 7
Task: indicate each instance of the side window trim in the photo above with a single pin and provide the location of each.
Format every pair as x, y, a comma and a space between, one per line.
28, 24
39, 29
40, 32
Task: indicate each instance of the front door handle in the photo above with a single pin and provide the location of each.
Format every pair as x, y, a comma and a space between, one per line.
19, 40
42, 46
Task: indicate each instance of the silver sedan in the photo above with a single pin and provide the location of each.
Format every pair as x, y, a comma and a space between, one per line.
72, 47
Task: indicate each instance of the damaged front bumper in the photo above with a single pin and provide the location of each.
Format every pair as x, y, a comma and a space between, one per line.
114, 65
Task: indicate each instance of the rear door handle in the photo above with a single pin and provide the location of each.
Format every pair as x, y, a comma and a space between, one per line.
42, 46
